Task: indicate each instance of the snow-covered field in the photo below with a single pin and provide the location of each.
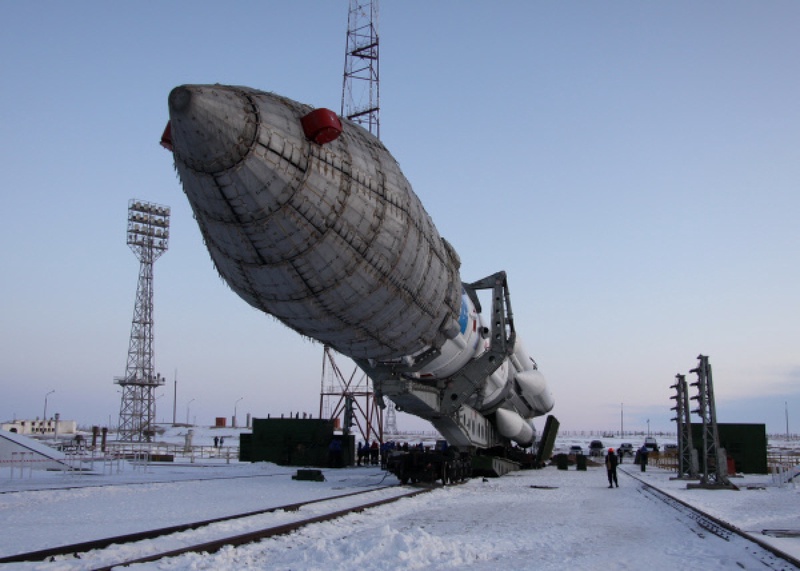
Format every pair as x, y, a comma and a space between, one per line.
546, 519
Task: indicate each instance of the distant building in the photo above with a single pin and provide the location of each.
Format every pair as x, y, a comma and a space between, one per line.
40, 427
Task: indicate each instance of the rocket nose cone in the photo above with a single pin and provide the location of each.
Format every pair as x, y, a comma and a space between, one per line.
180, 98
213, 127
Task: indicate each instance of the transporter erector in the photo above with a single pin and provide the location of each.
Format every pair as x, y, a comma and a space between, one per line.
308, 218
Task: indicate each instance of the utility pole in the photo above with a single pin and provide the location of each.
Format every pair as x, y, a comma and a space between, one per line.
713, 462
687, 466
786, 405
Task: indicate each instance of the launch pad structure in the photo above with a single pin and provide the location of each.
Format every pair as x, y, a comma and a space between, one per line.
148, 238
351, 400
355, 399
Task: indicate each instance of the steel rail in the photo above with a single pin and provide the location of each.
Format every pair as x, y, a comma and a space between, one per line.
81, 547
713, 524
253, 536
82, 485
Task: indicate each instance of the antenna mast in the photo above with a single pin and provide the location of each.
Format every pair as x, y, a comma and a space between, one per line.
361, 86
360, 104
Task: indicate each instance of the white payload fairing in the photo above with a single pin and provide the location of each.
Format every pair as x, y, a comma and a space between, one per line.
308, 218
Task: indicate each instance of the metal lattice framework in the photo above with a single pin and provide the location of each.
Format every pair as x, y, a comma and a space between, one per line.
686, 462
354, 399
148, 238
390, 424
349, 400
361, 85
713, 461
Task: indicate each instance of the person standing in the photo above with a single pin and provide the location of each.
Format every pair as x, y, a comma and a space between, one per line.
611, 468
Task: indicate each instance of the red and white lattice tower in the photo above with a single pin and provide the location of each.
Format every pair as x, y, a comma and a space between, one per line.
361, 104
361, 84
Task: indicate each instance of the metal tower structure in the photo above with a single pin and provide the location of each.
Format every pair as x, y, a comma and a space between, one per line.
361, 85
351, 400
687, 465
148, 237
713, 461
390, 426
354, 400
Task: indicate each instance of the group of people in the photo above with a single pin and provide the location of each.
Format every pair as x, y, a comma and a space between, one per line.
366, 454
369, 454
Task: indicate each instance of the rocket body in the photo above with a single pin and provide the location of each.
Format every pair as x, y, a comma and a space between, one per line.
332, 241
329, 239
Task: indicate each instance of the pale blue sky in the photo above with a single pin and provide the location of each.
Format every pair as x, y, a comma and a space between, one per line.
633, 166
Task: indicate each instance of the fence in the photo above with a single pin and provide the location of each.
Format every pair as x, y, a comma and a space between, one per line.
118, 457
783, 467
160, 452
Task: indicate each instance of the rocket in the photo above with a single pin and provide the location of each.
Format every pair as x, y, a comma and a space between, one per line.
308, 218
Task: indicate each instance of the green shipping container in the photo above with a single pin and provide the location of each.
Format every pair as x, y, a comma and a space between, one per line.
293, 442
745, 443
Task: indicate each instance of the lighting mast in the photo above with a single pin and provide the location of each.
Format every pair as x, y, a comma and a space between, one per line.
148, 238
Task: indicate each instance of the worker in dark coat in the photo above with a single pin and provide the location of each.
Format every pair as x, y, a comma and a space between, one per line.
374, 451
335, 453
611, 468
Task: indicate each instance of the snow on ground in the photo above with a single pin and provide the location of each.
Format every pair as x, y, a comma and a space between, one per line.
547, 519
569, 520
166, 495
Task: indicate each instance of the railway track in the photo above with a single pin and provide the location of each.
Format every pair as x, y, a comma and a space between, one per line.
242, 528
209, 535
82, 484
702, 523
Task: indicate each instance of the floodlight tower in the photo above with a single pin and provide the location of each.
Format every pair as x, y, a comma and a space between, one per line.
148, 237
361, 86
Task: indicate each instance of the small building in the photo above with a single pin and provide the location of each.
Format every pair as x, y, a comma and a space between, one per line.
40, 427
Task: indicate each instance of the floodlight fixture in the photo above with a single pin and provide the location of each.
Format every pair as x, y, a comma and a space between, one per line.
148, 229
